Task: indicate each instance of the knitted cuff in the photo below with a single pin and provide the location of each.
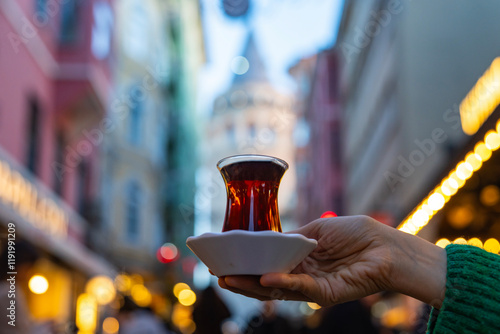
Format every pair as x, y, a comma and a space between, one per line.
472, 298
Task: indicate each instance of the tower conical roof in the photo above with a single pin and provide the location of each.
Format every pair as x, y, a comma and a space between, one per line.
257, 70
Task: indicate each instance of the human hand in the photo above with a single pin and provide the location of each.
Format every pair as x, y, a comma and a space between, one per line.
355, 257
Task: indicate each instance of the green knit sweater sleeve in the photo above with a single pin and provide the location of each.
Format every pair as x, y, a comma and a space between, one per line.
472, 298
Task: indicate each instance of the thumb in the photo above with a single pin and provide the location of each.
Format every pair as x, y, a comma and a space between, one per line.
310, 230
302, 283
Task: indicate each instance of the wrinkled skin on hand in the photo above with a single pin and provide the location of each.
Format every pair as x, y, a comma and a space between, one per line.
353, 259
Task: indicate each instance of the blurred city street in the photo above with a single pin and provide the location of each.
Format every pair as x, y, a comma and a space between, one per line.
115, 113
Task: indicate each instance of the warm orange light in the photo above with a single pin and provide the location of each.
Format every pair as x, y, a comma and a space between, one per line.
187, 297
460, 241
459, 182
490, 195
110, 325
102, 288
492, 245
446, 188
428, 211
180, 313
137, 279
482, 151
492, 140
86, 313
464, 170
179, 287
436, 201
474, 160
38, 284
482, 100
141, 295
419, 218
475, 242
187, 326
314, 306
443, 242
123, 282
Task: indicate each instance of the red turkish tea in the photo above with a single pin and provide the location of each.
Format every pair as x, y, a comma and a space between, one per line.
252, 184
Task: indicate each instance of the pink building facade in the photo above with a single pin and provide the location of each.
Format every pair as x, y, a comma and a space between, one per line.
54, 84
318, 137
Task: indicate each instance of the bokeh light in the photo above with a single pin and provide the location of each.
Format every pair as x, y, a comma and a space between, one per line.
167, 253
38, 284
443, 242
141, 295
123, 282
240, 65
436, 201
492, 245
490, 195
460, 241
328, 214
474, 160
475, 242
102, 288
187, 297
179, 287
110, 325
492, 140
482, 151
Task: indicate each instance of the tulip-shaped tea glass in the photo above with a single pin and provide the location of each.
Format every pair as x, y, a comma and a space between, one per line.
252, 183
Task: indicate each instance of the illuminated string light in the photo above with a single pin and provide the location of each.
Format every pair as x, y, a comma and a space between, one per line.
464, 170
492, 245
449, 186
443, 242
492, 140
474, 161
460, 241
475, 242
482, 151
436, 201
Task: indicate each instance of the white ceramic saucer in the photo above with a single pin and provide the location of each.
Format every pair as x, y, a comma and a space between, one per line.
240, 252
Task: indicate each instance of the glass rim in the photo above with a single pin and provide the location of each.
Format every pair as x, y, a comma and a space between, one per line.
250, 157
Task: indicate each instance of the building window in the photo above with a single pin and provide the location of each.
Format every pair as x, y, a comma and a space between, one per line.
59, 172
69, 21
82, 188
102, 29
136, 37
133, 210
33, 130
135, 121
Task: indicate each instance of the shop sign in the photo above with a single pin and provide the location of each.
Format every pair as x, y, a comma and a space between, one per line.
34, 205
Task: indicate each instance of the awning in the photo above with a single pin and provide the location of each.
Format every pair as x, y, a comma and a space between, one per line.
45, 220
